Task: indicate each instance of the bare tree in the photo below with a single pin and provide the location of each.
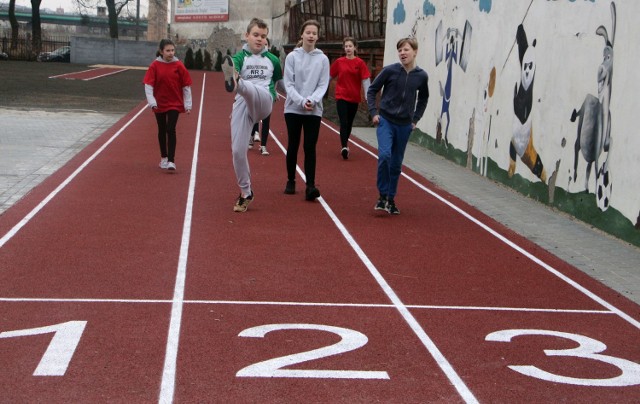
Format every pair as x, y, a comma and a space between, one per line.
14, 24
84, 5
36, 28
114, 8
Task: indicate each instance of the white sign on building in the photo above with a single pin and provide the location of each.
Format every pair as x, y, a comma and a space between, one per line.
201, 10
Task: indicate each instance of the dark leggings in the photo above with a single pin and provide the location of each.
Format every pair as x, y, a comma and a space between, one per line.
346, 113
264, 133
311, 125
167, 122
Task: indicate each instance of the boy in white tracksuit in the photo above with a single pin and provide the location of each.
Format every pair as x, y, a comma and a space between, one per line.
306, 79
252, 73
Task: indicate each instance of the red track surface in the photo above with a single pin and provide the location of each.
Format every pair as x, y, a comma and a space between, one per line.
157, 290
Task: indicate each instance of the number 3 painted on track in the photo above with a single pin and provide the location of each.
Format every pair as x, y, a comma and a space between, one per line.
350, 340
588, 348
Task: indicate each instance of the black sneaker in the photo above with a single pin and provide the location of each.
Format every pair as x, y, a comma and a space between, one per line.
381, 204
290, 189
312, 193
392, 208
229, 71
345, 153
242, 203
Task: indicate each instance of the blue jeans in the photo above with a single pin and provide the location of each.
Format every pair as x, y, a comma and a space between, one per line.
392, 143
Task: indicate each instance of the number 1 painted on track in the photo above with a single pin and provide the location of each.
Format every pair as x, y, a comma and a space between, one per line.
56, 358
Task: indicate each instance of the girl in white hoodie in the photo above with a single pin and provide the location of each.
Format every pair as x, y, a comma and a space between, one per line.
306, 79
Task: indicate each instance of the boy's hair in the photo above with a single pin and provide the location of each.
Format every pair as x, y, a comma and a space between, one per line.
163, 44
309, 22
409, 40
257, 22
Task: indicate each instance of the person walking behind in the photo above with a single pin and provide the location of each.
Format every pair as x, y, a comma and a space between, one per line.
262, 134
351, 72
252, 74
396, 117
258, 134
306, 79
167, 86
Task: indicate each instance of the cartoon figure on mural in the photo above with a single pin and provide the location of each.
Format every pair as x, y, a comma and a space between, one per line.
452, 40
522, 135
483, 153
594, 122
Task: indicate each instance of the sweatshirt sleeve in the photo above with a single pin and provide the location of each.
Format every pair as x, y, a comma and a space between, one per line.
148, 92
150, 81
333, 70
374, 88
366, 83
423, 98
323, 83
186, 95
289, 83
277, 69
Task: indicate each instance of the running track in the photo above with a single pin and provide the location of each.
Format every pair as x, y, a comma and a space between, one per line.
120, 282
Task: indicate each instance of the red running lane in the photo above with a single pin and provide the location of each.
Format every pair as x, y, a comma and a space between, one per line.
430, 299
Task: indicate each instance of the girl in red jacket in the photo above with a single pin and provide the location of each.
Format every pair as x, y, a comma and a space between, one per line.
167, 86
351, 72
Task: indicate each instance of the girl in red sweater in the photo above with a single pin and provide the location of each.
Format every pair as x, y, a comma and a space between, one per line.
167, 86
351, 72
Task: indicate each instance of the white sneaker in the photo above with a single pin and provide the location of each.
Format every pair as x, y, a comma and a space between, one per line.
230, 74
263, 150
256, 137
171, 166
163, 163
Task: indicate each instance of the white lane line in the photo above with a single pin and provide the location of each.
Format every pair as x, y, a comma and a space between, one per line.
514, 246
439, 357
105, 75
301, 304
169, 371
431, 347
15, 229
70, 74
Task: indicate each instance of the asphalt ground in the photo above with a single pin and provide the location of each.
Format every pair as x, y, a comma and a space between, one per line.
47, 121
27, 85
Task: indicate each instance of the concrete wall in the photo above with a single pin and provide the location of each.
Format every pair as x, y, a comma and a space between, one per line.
567, 139
112, 51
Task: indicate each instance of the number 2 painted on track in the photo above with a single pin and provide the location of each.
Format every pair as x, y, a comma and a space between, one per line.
350, 340
588, 348
65, 340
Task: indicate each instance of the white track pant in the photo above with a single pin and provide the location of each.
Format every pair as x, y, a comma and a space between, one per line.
252, 104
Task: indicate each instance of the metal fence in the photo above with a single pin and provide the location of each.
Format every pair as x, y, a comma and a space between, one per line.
23, 47
363, 20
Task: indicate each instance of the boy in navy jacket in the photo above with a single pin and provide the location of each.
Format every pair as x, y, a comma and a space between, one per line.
396, 117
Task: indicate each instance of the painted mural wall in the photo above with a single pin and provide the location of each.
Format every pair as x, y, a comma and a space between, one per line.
523, 91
